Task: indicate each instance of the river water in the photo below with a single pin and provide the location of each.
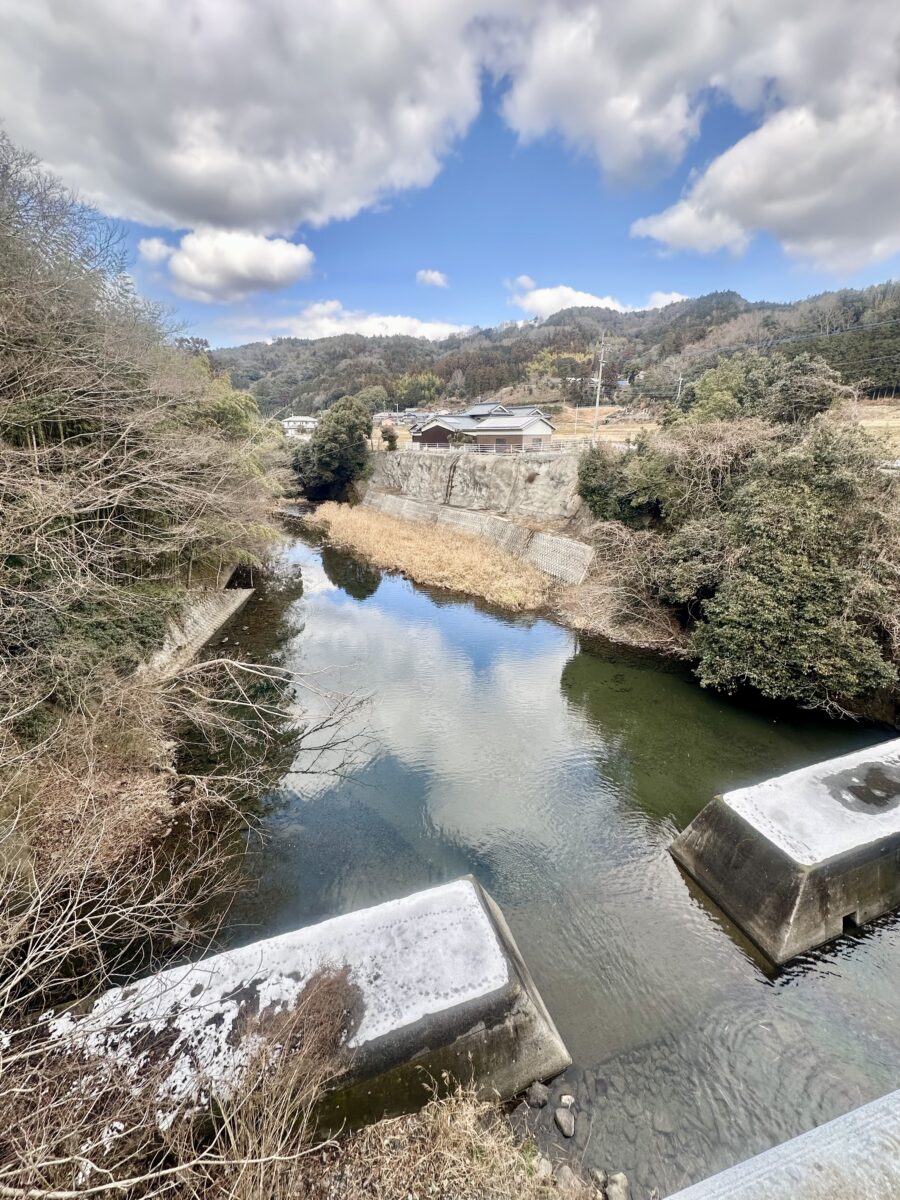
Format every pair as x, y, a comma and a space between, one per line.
557, 772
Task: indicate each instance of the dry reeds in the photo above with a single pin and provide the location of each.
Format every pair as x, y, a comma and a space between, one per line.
436, 556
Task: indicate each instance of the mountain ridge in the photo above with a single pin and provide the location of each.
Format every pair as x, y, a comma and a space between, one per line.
856, 331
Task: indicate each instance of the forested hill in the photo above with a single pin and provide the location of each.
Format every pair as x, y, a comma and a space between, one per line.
857, 332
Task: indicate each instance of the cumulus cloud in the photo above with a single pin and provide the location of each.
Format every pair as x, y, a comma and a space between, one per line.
825, 186
154, 250
629, 85
227, 265
432, 278
662, 299
326, 318
254, 116
147, 114
543, 302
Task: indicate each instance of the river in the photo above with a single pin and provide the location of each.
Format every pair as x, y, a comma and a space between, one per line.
557, 772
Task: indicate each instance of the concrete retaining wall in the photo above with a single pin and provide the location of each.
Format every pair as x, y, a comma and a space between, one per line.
855, 1157
533, 486
436, 984
560, 557
203, 617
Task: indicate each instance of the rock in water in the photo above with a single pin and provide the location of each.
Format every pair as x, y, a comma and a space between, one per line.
567, 1100
618, 1187
544, 1167
537, 1095
565, 1121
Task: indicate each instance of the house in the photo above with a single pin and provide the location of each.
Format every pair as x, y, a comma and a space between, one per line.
438, 430
528, 431
491, 427
298, 426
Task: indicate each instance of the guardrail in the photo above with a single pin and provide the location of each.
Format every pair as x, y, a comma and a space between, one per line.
560, 447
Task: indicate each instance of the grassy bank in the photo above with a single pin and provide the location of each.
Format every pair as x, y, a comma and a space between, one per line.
437, 556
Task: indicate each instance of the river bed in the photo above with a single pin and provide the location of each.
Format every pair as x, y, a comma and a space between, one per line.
557, 772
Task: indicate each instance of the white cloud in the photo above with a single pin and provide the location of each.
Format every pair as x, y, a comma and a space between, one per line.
662, 299
154, 250
144, 108
544, 301
217, 265
629, 84
325, 318
255, 116
432, 278
825, 186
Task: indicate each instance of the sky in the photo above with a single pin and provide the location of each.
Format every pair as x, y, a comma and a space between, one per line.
289, 167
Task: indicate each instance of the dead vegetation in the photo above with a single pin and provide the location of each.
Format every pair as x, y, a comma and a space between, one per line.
459, 1147
617, 599
437, 556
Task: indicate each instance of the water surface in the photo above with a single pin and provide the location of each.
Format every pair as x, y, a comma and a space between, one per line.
557, 773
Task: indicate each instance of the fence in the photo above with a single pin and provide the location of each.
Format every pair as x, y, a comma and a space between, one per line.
560, 447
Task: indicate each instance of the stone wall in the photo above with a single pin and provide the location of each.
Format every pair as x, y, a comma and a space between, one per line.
537, 487
560, 557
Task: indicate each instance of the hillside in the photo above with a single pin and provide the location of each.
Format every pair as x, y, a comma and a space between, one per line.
857, 332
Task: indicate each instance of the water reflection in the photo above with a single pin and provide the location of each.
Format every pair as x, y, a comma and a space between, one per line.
557, 774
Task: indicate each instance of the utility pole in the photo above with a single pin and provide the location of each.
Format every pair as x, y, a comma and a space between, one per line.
599, 383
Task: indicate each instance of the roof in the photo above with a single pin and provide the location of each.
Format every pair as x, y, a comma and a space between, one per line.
484, 410
827, 809
458, 424
512, 424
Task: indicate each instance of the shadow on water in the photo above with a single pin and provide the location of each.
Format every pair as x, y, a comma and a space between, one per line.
557, 771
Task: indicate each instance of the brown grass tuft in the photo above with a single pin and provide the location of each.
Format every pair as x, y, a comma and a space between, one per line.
437, 556
459, 1147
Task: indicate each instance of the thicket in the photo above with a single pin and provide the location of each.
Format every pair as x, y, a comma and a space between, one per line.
761, 515
129, 474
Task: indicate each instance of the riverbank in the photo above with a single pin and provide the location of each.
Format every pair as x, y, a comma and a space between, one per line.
437, 557
609, 603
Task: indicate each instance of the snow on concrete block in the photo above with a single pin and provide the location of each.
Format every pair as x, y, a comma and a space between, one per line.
795, 860
439, 983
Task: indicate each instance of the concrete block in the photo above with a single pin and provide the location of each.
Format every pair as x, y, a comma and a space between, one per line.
441, 987
560, 557
795, 860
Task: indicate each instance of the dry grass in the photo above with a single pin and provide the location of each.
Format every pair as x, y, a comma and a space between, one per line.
883, 420
619, 429
437, 556
458, 1147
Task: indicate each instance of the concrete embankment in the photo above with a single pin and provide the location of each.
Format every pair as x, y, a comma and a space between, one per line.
524, 503
537, 488
559, 557
438, 986
203, 616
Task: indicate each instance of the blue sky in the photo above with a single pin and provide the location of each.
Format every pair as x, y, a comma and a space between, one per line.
289, 168
499, 210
